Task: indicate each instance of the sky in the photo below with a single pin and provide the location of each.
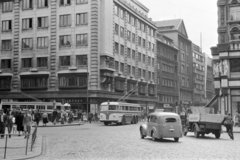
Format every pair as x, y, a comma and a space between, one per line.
200, 17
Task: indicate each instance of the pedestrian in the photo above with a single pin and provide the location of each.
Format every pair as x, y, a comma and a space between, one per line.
37, 117
54, 116
45, 118
84, 116
27, 121
236, 119
90, 116
228, 123
19, 122
96, 116
3, 119
9, 123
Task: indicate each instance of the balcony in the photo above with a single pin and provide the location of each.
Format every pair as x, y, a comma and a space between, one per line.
235, 45
222, 47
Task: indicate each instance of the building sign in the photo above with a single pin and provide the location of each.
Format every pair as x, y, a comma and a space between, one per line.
151, 107
184, 102
166, 105
235, 92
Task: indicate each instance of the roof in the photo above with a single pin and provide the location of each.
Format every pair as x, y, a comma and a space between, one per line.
173, 24
164, 114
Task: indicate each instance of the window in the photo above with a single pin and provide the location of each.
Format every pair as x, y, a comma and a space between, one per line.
149, 61
42, 22
133, 71
122, 67
116, 66
42, 62
149, 75
116, 29
116, 10
7, 6
139, 72
143, 58
139, 57
149, 46
82, 19
65, 40
133, 54
144, 43
65, 2
139, 25
42, 3
42, 42
235, 65
128, 35
128, 18
27, 4
152, 47
116, 47
81, 1
129, 53
81, 60
122, 50
153, 62
133, 38
122, 32
129, 70
133, 21
144, 73
27, 23
65, 20
139, 41
64, 60
143, 27
121, 13
82, 39
6, 64
30, 82
6, 25
27, 43
6, 44
26, 62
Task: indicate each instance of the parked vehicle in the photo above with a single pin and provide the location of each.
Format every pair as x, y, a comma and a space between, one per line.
119, 113
162, 125
199, 121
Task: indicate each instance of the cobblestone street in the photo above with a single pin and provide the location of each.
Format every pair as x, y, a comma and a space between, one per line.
96, 141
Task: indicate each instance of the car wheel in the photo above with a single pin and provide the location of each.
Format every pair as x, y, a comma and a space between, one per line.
141, 133
153, 138
217, 135
176, 139
105, 123
196, 133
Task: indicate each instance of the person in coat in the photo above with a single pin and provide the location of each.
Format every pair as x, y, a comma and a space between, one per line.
54, 116
45, 119
19, 122
90, 116
37, 117
228, 123
27, 121
3, 119
9, 123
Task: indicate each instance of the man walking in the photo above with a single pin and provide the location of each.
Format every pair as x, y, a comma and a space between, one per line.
3, 119
27, 120
228, 122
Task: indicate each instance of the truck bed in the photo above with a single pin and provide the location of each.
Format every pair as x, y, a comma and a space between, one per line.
208, 118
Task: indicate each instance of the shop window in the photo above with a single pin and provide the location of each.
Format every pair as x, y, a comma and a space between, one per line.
235, 65
6, 64
5, 82
34, 82
72, 81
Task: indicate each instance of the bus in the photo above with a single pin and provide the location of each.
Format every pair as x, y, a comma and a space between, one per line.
119, 113
41, 106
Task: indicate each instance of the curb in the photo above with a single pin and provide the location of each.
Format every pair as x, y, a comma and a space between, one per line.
63, 125
37, 151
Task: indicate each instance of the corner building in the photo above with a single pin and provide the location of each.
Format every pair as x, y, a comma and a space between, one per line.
77, 51
226, 57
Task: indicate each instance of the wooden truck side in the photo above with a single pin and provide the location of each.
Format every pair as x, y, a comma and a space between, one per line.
199, 121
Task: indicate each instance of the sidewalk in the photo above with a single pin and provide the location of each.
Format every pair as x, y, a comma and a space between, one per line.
16, 147
50, 124
235, 129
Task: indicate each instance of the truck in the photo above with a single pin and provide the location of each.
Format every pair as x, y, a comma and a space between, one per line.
201, 122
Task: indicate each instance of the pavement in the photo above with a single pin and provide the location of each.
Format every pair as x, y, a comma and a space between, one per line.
50, 124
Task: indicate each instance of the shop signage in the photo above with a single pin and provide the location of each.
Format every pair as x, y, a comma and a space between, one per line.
151, 107
166, 105
184, 102
235, 92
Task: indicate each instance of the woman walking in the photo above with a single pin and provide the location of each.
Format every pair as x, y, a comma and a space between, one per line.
9, 123
37, 117
45, 119
19, 122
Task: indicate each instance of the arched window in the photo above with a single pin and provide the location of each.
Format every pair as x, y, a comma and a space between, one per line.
235, 33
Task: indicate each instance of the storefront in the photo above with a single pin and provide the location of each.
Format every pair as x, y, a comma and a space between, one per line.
235, 101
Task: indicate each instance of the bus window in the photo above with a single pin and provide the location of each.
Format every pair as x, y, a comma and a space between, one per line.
30, 106
112, 107
49, 107
41, 107
58, 107
23, 106
104, 108
126, 108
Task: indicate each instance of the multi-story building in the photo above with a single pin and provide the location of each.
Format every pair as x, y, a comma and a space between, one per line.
77, 51
226, 57
167, 73
198, 76
175, 29
209, 81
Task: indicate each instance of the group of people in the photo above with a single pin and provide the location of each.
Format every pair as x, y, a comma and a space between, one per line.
83, 116
15, 120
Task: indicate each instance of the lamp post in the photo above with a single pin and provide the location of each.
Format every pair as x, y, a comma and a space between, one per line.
87, 87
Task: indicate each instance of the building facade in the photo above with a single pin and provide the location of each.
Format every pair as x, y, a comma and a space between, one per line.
198, 76
175, 29
226, 57
167, 73
209, 80
83, 52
